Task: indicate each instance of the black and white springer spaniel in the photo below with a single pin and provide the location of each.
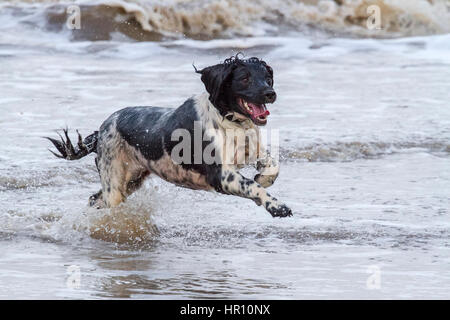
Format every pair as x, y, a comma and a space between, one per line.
138, 141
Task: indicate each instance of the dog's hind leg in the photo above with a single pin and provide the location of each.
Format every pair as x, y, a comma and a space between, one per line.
136, 181
122, 169
111, 168
121, 175
113, 178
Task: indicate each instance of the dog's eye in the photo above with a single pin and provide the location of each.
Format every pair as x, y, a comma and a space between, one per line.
246, 79
269, 81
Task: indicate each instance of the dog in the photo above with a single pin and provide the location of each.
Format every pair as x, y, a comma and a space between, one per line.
135, 142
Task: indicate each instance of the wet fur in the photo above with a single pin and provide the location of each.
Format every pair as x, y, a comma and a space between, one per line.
135, 142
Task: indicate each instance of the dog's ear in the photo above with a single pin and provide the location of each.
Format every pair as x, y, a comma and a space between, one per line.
214, 78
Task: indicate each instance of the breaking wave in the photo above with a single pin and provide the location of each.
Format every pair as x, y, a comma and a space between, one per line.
154, 20
350, 151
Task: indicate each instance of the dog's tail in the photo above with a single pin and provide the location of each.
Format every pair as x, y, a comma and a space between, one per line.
69, 152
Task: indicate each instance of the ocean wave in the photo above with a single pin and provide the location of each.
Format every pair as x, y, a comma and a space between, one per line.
14, 179
339, 151
354, 150
375, 234
155, 20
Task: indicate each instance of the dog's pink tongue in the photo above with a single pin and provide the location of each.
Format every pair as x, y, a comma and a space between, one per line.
259, 110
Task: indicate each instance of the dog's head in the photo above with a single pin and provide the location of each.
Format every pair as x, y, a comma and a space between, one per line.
240, 85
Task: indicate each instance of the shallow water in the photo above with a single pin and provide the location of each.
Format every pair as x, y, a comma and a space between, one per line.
364, 133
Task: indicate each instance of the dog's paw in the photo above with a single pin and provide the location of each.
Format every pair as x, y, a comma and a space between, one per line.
96, 202
280, 211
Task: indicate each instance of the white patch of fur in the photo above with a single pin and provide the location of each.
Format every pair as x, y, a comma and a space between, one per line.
229, 136
232, 161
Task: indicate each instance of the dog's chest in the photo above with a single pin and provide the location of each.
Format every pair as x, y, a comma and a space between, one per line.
236, 143
237, 147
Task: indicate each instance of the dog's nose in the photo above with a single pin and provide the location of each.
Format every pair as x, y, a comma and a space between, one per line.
270, 96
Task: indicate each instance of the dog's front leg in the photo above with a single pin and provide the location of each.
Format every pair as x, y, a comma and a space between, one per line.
230, 181
268, 169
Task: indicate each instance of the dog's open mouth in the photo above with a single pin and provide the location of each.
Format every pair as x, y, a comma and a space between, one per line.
257, 112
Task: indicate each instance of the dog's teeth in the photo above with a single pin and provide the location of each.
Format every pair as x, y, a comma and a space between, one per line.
247, 107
